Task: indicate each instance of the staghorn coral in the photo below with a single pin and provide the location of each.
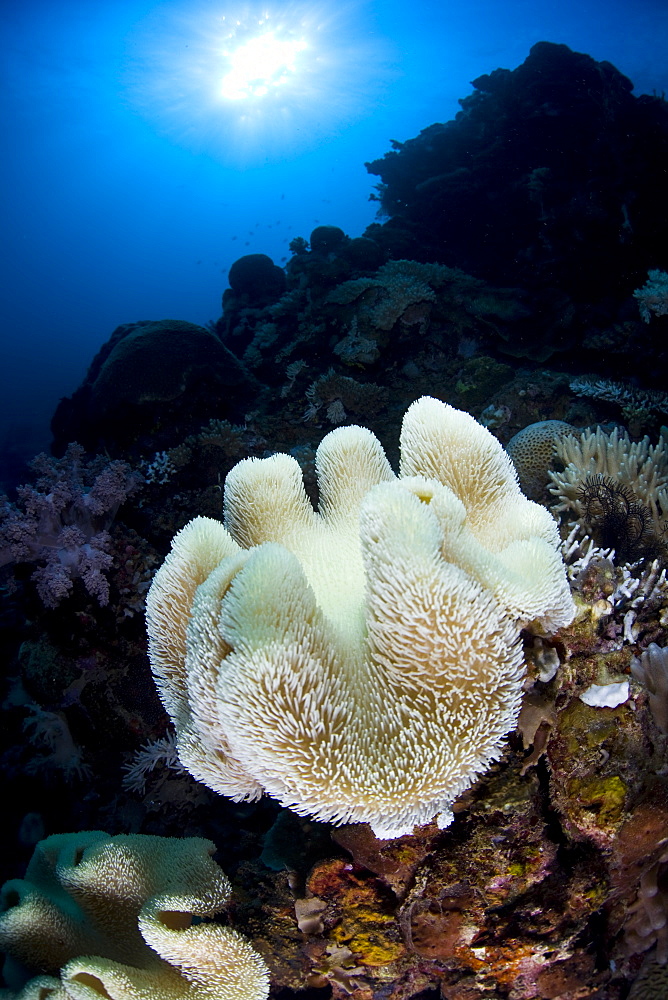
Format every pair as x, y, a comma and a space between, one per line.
653, 296
633, 402
61, 522
114, 915
628, 599
360, 663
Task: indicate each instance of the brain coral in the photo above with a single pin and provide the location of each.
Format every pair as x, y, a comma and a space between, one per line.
114, 916
359, 663
532, 450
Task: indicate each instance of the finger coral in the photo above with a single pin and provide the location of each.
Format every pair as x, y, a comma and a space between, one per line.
359, 663
114, 915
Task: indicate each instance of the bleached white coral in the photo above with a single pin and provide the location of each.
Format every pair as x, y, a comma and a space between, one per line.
638, 465
359, 663
606, 695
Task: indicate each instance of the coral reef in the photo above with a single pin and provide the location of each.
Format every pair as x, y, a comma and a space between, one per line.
636, 468
653, 296
539, 145
257, 279
639, 407
520, 232
532, 450
651, 669
615, 518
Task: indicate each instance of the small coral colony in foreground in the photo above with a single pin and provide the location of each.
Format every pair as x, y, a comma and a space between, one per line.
418, 717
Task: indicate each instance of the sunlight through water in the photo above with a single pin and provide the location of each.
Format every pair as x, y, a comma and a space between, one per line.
254, 85
257, 65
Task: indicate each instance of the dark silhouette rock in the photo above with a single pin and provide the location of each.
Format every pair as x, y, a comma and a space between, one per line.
256, 279
150, 378
551, 178
327, 239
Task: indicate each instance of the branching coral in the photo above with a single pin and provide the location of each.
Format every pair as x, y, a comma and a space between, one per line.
635, 465
61, 523
633, 401
114, 915
653, 296
360, 663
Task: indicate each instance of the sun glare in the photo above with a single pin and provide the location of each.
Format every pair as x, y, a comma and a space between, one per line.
251, 83
260, 64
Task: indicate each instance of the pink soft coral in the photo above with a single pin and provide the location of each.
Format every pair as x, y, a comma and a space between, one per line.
61, 522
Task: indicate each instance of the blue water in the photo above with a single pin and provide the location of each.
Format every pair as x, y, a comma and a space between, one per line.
130, 184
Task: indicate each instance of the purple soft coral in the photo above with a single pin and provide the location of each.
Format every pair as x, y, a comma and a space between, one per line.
61, 522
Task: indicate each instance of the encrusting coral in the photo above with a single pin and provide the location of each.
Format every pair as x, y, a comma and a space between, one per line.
361, 663
114, 916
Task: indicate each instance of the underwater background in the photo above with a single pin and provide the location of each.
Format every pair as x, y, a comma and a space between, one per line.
238, 231
132, 185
